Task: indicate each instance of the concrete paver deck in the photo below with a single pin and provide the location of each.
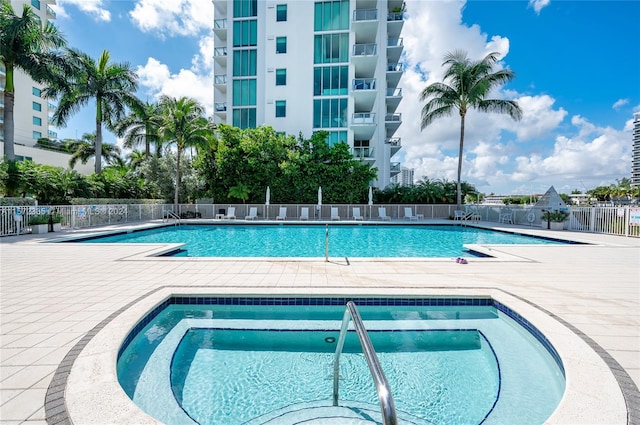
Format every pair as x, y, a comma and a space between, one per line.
53, 294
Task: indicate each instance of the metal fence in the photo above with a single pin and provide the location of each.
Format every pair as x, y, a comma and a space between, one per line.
609, 220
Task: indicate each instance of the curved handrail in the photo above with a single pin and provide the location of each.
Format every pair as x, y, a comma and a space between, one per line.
379, 379
173, 215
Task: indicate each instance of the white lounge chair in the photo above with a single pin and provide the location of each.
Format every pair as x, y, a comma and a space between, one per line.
282, 215
253, 213
408, 213
459, 215
334, 213
505, 216
382, 214
356, 214
231, 214
304, 213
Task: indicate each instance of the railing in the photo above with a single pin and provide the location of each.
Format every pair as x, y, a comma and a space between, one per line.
220, 79
170, 214
363, 118
379, 379
394, 92
621, 220
220, 52
393, 141
365, 15
395, 67
51, 12
395, 16
393, 117
370, 49
364, 84
221, 107
220, 24
394, 42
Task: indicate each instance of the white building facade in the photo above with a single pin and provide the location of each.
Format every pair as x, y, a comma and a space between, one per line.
305, 66
31, 112
635, 162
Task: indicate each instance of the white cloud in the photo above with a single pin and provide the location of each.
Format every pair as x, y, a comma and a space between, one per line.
158, 80
173, 17
93, 8
538, 5
620, 103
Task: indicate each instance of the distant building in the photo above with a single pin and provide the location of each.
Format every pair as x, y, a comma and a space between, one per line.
635, 161
305, 66
405, 178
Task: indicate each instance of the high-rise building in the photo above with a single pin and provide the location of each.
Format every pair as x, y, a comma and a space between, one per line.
305, 66
635, 162
405, 178
32, 112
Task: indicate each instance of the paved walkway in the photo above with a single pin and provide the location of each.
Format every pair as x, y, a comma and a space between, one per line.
53, 294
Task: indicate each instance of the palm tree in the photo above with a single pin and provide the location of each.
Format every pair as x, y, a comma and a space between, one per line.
136, 158
466, 85
27, 45
184, 124
84, 149
112, 85
140, 127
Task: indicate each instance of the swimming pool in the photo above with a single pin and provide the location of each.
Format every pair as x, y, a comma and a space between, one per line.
237, 360
366, 241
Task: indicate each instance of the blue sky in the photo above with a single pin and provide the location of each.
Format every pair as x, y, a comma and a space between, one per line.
577, 66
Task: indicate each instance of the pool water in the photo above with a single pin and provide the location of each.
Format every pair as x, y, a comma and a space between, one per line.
236, 364
369, 241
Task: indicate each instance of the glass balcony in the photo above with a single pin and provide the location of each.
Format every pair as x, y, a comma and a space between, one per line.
393, 141
52, 134
363, 118
363, 152
220, 79
365, 49
395, 67
50, 12
394, 92
220, 24
395, 167
221, 107
393, 118
364, 84
365, 15
395, 16
395, 42
220, 52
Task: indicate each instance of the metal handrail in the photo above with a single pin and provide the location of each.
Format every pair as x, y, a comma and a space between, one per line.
379, 379
173, 215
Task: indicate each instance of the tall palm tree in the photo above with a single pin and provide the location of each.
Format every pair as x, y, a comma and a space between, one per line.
84, 149
184, 124
111, 85
140, 127
466, 85
27, 45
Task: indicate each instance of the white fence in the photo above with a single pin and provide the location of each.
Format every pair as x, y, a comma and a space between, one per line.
610, 220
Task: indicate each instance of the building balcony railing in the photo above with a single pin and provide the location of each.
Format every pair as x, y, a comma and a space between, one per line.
394, 92
365, 49
220, 79
220, 52
220, 24
363, 118
221, 107
52, 134
365, 15
393, 118
395, 167
395, 67
364, 84
363, 153
50, 12
395, 42
393, 141
395, 16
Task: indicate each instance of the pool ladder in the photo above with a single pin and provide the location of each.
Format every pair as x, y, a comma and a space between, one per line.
170, 214
379, 379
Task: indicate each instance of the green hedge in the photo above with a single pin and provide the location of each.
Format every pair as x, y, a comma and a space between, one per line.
111, 201
13, 201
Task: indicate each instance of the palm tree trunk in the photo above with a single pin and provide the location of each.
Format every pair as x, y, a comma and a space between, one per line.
98, 149
459, 182
175, 196
9, 151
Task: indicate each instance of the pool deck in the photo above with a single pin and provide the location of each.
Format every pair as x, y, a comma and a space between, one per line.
53, 295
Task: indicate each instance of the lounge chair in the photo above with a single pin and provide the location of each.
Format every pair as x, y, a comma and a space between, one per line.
356, 214
505, 216
408, 213
253, 213
382, 214
459, 215
334, 213
231, 214
282, 215
304, 213
473, 214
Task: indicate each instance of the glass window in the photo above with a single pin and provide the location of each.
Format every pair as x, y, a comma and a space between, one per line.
36, 91
281, 44
281, 108
336, 137
37, 135
37, 106
36, 4
330, 113
330, 48
244, 63
245, 33
244, 92
36, 121
245, 8
331, 15
330, 80
244, 118
281, 12
281, 77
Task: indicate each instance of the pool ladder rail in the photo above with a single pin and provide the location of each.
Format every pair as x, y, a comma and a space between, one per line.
379, 379
170, 214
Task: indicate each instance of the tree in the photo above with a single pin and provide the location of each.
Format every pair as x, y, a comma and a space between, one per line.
140, 127
84, 149
239, 191
27, 45
184, 124
466, 85
111, 85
